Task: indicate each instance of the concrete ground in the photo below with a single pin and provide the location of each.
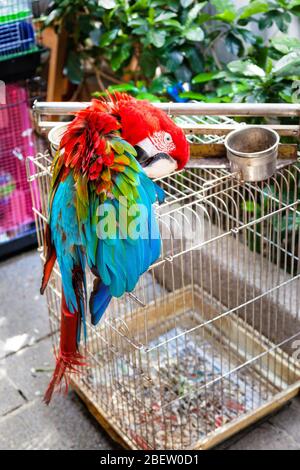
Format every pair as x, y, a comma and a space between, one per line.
25, 363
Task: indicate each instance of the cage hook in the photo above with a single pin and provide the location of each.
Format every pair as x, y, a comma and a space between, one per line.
136, 299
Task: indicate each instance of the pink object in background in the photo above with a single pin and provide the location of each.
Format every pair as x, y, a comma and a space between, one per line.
4, 119
16, 216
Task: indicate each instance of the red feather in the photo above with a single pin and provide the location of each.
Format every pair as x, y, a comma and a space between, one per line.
68, 359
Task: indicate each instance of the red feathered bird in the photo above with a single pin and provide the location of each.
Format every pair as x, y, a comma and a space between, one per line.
107, 155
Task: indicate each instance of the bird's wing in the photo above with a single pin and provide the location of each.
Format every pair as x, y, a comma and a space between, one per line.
120, 186
123, 240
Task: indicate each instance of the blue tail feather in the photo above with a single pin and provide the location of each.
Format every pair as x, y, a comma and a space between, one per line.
99, 301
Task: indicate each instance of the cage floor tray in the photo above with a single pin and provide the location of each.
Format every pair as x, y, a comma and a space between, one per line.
187, 384
178, 397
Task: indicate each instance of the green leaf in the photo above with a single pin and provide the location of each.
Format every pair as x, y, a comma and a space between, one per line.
165, 16
74, 68
247, 36
246, 68
285, 97
249, 206
285, 44
175, 58
254, 8
194, 34
228, 16
123, 87
107, 37
225, 90
192, 95
148, 63
241, 87
157, 37
269, 65
141, 30
288, 65
203, 18
139, 5
207, 98
137, 22
122, 53
261, 55
159, 85
223, 5
205, 77
195, 59
186, 3
107, 4
147, 96
281, 20
293, 3
173, 23
194, 12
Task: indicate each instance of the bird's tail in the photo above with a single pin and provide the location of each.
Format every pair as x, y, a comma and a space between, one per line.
99, 300
68, 359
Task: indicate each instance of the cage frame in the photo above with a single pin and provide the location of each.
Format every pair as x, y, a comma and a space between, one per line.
106, 419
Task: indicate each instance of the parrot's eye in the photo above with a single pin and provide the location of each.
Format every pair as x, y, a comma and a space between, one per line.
162, 141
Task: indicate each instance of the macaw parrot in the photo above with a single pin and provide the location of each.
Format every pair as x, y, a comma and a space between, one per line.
106, 160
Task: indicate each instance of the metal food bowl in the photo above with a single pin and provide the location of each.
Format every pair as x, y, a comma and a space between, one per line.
252, 152
55, 136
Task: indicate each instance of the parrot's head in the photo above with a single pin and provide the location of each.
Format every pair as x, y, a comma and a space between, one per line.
161, 145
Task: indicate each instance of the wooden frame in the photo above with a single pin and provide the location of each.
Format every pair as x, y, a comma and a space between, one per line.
220, 435
56, 83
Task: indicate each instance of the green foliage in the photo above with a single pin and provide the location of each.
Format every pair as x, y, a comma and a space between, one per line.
284, 228
139, 90
154, 32
183, 39
243, 80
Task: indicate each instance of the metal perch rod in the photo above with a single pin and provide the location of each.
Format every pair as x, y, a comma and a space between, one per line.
209, 109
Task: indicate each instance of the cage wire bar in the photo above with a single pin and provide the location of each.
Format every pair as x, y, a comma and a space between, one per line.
210, 340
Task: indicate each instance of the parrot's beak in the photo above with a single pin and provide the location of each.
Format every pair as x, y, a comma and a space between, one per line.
157, 165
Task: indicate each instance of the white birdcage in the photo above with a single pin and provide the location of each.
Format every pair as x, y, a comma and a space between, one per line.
209, 341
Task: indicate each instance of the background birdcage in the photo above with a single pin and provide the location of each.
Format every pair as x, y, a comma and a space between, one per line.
17, 35
20, 39
16, 143
209, 340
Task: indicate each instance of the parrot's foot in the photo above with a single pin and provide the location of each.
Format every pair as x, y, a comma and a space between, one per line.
66, 364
